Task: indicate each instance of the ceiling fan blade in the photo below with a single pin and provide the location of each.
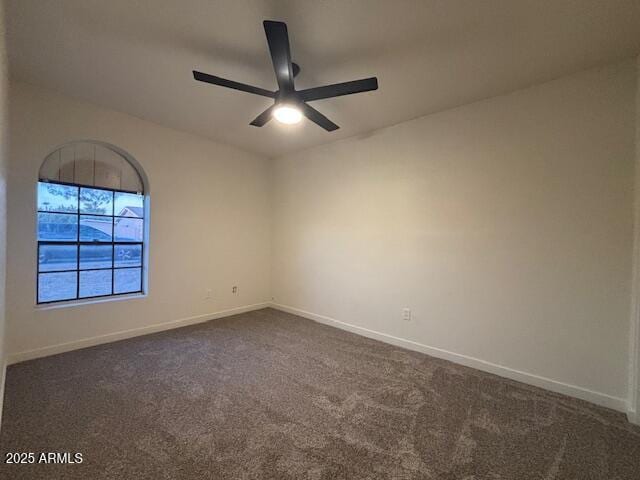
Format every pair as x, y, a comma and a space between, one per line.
263, 118
318, 118
223, 82
278, 40
338, 89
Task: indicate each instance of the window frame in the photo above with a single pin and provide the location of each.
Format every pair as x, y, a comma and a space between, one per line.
78, 243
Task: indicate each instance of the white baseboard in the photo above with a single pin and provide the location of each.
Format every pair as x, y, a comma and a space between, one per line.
598, 398
134, 332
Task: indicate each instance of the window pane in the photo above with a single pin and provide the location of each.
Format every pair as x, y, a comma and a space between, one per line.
128, 229
57, 198
128, 255
57, 286
57, 257
127, 280
73, 213
57, 227
129, 205
95, 256
95, 282
95, 229
96, 201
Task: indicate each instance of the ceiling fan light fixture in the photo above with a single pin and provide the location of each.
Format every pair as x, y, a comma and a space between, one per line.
287, 114
290, 105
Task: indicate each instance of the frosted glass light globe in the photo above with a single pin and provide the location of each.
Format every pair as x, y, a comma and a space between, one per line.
287, 114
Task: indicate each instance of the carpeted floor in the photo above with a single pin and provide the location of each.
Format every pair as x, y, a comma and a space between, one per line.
268, 395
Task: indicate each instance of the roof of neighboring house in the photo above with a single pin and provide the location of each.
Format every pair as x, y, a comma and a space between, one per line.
137, 211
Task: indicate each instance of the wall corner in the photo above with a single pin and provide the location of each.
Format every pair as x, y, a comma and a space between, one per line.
633, 408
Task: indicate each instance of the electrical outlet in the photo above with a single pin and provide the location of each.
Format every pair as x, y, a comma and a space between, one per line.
406, 314
208, 294
234, 290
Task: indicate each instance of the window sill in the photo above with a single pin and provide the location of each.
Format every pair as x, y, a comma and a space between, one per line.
89, 301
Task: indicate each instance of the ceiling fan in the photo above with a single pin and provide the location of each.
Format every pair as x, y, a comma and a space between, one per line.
290, 104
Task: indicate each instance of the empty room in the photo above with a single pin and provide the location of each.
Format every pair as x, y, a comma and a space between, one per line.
338, 239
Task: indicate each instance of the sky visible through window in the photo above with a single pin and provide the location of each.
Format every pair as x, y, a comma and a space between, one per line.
90, 242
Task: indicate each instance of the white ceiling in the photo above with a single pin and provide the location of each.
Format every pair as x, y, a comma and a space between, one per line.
137, 56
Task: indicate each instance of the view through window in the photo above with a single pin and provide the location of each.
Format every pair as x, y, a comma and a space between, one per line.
90, 242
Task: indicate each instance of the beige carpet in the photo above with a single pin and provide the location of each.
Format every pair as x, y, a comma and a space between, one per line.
267, 395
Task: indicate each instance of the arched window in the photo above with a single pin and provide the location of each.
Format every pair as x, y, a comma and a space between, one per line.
91, 224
